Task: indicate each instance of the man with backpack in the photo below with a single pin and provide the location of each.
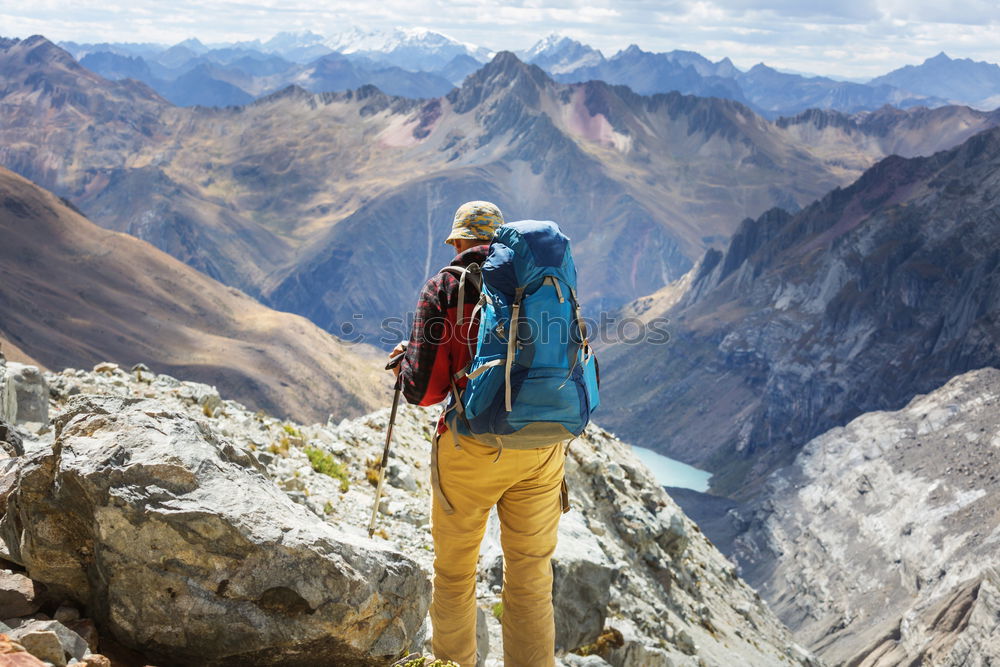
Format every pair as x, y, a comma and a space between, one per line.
517, 393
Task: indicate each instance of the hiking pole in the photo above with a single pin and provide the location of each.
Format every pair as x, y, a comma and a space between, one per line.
393, 362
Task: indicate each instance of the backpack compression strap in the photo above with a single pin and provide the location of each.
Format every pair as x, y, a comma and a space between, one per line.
512, 344
473, 273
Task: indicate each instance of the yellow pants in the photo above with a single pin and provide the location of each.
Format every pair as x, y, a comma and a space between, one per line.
525, 487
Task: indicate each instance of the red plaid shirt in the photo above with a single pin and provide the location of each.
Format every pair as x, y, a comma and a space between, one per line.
435, 352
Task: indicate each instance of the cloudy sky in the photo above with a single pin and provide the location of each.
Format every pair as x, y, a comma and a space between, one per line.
850, 38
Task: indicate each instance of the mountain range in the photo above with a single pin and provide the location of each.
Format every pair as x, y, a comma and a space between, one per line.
871, 295
296, 198
422, 64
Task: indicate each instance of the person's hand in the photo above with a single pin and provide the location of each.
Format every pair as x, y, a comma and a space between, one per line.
399, 349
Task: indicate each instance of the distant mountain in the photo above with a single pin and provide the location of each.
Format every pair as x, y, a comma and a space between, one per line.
73, 294
650, 73
177, 55
144, 50
767, 91
299, 47
873, 294
557, 55
414, 49
775, 94
458, 68
337, 72
959, 80
201, 87
115, 66
234, 77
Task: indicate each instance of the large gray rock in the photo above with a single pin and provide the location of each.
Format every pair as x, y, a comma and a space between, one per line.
179, 546
31, 391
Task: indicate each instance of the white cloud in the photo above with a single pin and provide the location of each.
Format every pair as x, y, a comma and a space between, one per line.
850, 37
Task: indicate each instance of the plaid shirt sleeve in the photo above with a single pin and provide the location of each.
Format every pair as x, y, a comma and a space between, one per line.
426, 367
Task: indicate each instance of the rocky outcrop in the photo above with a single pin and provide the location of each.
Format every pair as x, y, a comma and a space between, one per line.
874, 294
878, 545
205, 517
186, 550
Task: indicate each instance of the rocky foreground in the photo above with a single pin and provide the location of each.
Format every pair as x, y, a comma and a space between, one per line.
878, 546
190, 530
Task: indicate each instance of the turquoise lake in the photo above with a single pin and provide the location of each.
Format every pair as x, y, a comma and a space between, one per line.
669, 472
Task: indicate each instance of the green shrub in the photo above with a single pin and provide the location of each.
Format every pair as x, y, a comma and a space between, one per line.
323, 463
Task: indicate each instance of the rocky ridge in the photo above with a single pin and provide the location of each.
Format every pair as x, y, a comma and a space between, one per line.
628, 560
878, 545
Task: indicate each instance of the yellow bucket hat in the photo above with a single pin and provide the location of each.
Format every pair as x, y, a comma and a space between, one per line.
476, 220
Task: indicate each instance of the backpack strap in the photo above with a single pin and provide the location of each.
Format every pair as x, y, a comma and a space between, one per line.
552, 280
584, 343
512, 344
474, 273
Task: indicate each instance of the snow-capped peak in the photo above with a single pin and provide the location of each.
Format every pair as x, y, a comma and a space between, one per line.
551, 42
559, 54
293, 40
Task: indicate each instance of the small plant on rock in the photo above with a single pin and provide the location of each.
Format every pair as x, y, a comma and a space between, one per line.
323, 463
371, 470
280, 448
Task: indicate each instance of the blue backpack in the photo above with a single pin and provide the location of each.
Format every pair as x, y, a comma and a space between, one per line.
533, 380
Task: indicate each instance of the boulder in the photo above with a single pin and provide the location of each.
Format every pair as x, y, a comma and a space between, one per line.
19, 595
31, 393
180, 547
50, 641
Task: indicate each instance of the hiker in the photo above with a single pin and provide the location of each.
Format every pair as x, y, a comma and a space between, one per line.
470, 477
